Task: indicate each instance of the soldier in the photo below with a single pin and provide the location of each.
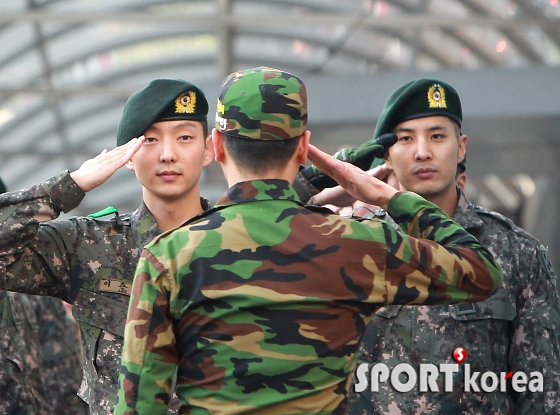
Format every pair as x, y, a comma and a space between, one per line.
90, 261
514, 331
260, 301
21, 384
61, 349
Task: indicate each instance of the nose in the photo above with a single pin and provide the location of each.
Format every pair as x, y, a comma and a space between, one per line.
423, 151
168, 152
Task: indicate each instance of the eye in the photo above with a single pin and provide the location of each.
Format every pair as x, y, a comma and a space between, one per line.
150, 139
438, 136
186, 137
405, 138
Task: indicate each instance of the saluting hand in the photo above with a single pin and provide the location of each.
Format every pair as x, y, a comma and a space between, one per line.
96, 171
360, 184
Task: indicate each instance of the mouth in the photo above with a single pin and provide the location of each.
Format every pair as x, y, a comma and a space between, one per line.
168, 175
425, 173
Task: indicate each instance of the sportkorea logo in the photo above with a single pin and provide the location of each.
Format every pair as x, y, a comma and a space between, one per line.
425, 377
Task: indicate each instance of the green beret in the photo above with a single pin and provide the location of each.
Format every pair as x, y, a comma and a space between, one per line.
417, 99
262, 104
161, 100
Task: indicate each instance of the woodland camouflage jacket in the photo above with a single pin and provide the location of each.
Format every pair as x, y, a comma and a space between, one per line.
261, 301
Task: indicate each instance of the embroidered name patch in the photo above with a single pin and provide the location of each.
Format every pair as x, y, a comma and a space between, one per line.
111, 285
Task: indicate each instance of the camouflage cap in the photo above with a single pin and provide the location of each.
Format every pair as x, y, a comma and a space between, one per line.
420, 98
161, 100
262, 104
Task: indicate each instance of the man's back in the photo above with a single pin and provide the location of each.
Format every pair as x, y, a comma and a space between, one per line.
264, 300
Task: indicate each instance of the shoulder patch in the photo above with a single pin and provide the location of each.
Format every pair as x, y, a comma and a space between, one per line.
109, 210
547, 265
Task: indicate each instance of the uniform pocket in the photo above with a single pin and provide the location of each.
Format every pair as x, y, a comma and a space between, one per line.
484, 329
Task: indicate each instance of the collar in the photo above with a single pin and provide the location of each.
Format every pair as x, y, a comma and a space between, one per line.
144, 226
465, 213
259, 190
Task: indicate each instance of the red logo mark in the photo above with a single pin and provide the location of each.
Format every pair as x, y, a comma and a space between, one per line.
460, 355
509, 375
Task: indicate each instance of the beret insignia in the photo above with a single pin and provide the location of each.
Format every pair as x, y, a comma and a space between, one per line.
185, 104
436, 96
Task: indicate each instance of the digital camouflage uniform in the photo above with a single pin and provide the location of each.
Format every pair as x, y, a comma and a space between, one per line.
21, 384
86, 261
62, 362
515, 330
90, 261
260, 302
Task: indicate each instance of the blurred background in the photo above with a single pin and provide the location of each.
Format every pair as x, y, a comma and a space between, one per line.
68, 66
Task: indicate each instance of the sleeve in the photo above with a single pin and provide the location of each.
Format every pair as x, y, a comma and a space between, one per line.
437, 261
33, 254
535, 338
149, 357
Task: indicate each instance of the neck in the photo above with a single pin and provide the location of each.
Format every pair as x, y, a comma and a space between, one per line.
172, 213
234, 175
446, 201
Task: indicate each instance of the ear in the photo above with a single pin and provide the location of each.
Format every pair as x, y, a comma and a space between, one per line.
303, 147
208, 151
387, 159
130, 165
462, 148
218, 144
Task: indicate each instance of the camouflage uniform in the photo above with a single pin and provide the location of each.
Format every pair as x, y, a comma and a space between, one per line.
21, 385
261, 301
86, 261
515, 330
62, 356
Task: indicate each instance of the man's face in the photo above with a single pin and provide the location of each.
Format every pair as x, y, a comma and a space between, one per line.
169, 163
426, 154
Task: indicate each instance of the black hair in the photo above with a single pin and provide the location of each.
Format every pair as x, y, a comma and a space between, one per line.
204, 127
259, 156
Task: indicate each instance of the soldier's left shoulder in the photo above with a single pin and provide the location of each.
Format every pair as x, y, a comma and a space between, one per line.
505, 224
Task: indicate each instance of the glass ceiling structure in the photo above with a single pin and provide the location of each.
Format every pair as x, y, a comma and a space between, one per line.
68, 66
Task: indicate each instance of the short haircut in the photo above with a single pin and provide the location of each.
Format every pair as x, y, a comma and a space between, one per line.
260, 156
204, 127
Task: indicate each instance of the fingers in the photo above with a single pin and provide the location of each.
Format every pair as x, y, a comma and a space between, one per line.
380, 172
324, 162
122, 154
135, 145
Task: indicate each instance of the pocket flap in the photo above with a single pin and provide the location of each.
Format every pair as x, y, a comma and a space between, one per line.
99, 311
500, 306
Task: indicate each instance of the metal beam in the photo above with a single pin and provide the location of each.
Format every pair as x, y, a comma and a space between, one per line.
267, 20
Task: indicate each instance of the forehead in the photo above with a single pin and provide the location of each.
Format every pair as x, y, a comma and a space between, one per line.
175, 125
426, 123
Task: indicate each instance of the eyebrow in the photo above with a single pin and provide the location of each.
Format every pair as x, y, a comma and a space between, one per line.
185, 123
431, 128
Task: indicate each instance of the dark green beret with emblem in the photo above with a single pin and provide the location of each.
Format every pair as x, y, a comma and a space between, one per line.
420, 98
161, 100
262, 104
